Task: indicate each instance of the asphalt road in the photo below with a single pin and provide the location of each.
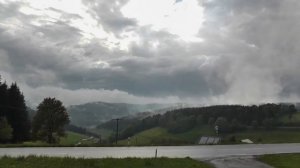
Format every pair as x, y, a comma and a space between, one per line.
200, 152
237, 162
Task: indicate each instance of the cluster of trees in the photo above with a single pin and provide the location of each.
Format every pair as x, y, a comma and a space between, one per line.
228, 118
14, 120
15, 125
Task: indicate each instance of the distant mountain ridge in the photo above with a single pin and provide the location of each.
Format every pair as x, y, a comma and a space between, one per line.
92, 114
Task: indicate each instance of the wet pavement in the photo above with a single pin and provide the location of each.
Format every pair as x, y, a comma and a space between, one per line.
237, 162
206, 151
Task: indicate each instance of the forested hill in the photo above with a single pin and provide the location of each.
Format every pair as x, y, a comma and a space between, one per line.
229, 118
92, 114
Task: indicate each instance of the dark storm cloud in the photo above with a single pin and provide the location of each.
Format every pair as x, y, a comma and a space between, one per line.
109, 15
250, 54
59, 32
158, 77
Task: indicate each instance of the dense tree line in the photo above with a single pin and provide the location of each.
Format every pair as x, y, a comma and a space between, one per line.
15, 123
14, 120
228, 118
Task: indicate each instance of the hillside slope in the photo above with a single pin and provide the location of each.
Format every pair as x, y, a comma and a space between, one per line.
92, 114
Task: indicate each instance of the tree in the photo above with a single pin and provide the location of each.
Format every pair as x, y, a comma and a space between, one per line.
50, 120
3, 98
13, 109
254, 124
5, 130
269, 123
17, 114
292, 110
235, 125
211, 121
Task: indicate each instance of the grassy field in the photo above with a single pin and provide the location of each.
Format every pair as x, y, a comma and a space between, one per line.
71, 139
47, 162
282, 160
160, 136
150, 137
265, 136
105, 133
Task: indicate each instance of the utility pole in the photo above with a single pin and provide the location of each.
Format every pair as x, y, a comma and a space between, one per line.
117, 133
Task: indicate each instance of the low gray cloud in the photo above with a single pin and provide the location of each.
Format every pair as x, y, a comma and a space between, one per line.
109, 15
268, 33
249, 54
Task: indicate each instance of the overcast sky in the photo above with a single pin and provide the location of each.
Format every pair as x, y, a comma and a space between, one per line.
147, 51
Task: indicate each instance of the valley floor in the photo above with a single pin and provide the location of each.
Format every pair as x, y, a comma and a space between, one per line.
71, 139
160, 136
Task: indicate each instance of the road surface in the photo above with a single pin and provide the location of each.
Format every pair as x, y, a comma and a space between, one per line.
237, 162
200, 152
